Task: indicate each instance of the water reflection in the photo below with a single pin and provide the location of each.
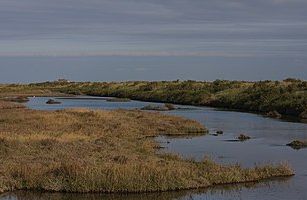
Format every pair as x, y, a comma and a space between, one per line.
218, 192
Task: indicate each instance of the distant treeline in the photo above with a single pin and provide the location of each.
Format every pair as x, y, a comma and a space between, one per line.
287, 97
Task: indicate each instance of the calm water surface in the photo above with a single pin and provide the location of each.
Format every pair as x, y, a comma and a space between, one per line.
267, 145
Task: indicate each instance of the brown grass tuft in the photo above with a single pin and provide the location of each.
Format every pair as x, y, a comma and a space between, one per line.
10, 105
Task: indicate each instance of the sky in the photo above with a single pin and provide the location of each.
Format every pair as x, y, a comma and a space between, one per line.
116, 40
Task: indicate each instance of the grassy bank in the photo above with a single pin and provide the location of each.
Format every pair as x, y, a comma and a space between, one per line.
10, 105
80, 150
288, 97
13, 92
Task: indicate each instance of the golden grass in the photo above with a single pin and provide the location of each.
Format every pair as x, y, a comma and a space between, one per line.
10, 105
80, 150
13, 91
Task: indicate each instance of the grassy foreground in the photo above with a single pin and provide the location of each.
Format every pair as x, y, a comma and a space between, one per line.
80, 150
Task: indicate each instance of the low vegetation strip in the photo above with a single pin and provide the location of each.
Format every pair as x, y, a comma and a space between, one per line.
274, 98
10, 105
81, 150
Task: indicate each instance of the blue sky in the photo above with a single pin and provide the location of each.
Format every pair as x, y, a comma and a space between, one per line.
142, 39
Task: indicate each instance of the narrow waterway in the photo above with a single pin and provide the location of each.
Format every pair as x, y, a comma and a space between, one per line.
267, 145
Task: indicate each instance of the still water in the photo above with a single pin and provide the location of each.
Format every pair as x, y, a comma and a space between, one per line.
268, 145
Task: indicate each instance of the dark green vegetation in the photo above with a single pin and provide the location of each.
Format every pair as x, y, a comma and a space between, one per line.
288, 97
